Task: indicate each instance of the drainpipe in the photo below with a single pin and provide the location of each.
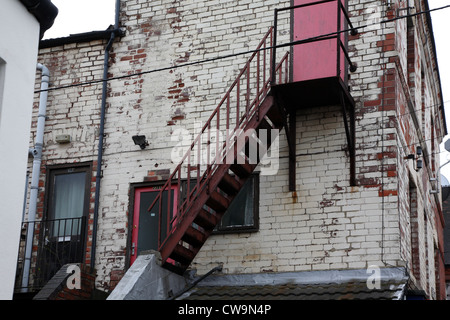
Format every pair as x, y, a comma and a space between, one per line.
37, 154
24, 209
101, 135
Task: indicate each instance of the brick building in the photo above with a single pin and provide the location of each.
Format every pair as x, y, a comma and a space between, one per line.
348, 184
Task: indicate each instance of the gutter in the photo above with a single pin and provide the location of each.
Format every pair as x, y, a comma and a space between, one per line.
44, 11
36, 152
81, 37
433, 44
442, 107
101, 135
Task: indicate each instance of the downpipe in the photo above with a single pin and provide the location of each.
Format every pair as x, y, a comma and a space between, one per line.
36, 152
101, 135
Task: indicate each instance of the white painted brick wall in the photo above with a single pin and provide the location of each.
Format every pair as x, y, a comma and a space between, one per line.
328, 225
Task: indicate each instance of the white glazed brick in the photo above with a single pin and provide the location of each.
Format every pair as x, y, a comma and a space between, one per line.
303, 229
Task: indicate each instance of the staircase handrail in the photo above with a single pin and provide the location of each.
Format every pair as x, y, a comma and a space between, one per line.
262, 89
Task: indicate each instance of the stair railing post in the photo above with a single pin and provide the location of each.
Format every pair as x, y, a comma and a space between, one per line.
274, 47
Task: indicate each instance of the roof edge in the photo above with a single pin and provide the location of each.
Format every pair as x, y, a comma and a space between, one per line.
81, 37
433, 43
371, 283
44, 11
305, 277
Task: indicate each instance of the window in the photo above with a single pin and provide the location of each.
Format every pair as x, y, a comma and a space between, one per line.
241, 216
67, 199
243, 213
414, 232
410, 54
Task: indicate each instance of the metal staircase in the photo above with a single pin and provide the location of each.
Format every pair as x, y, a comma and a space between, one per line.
221, 158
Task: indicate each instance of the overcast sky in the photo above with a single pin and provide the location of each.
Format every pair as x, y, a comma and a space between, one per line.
76, 16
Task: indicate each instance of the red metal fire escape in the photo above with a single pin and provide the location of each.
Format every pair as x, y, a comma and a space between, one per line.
215, 166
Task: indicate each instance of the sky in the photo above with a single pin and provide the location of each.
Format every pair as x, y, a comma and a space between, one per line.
77, 16
441, 25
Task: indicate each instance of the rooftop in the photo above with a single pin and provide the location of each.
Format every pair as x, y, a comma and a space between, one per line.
314, 285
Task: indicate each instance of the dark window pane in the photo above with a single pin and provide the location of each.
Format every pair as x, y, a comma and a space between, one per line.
242, 214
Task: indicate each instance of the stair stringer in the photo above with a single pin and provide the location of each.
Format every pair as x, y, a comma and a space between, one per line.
169, 246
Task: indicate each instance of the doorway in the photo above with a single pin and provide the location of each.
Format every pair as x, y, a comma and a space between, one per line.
146, 225
63, 229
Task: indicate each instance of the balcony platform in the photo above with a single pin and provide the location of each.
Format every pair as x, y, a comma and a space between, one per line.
314, 93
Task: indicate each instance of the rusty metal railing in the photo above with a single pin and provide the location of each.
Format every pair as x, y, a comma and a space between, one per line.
209, 149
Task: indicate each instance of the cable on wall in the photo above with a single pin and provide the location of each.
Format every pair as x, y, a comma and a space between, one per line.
288, 44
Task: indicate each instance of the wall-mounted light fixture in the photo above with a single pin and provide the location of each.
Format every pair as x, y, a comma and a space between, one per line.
419, 162
419, 151
140, 141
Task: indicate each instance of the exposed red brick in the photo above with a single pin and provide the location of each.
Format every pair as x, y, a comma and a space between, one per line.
386, 193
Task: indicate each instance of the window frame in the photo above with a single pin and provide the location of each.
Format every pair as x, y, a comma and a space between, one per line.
51, 170
243, 228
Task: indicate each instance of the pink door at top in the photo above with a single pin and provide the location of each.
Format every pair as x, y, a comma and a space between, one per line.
317, 59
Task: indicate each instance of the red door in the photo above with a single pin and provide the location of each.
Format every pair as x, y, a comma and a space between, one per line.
318, 59
146, 223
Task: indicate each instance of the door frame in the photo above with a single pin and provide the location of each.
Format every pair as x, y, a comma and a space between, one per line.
133, 213
51, 171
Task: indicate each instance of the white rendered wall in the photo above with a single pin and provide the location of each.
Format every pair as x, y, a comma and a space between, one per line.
18, 53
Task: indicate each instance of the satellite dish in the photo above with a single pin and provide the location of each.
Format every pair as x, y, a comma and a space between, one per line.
447, 145
444, 181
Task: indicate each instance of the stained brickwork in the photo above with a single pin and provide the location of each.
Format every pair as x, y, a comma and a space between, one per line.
74, 111
327, 223
60, 288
